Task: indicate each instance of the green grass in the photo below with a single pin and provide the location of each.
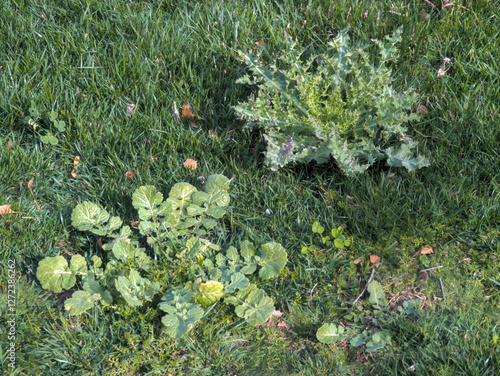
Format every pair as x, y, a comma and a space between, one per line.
88, 59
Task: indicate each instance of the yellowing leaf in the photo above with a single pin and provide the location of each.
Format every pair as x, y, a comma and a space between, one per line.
375, 260
426, 251
191, 163
76, 161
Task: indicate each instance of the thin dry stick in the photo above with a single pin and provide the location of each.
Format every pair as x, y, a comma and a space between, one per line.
442, 288
431, 4
366, 286
435, 267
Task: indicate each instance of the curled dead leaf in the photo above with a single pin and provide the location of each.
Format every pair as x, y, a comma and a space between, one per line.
30, 184
426, 251
99, 243
129, 174
191, 163
134, 224
187, 113
375, 260
9, 146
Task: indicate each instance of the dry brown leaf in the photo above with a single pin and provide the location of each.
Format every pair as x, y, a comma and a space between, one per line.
375, 260
426, 251
99, 243
134, 224
191, 163
358, 260
30, 184
129, 174
9, 146
188, 114
6, 209
61, 244
76, 161
74, 174
277, 313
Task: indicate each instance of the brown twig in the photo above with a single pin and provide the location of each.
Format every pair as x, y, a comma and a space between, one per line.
366, 286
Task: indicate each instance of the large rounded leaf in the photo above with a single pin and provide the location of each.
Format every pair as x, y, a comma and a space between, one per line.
273, 260
54, 274
330, 333
253, 305
88, 215
211, 292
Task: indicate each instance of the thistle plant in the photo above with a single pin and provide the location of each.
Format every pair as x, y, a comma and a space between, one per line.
337, 104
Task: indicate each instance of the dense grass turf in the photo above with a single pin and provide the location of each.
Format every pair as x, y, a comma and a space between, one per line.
88, 59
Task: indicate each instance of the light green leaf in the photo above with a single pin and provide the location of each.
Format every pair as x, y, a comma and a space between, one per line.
338, 243
253, 305
178, 322
359, 340
80, 302
238, 281
330, 333
216, 182
232, 254
317, 228
54, 274
273, 260
181, 192
211, 292
78, 264
216, 211
209, 223
53, 115
247, 251
377, 295
147, 199
88, 215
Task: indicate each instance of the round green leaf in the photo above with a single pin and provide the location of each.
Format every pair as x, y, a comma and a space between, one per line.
330, 333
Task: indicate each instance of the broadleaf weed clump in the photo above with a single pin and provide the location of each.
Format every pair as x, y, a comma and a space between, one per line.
178, 231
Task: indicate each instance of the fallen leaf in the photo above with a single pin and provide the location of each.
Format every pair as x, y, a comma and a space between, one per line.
86, 35
129, 174
30, 184
74, 174
443, 70
424, 276
99, 243
188, 114
277, 313
9, 146
134, 224
61, 244
375, 260
6, 209
426, 251
191, 163
358, 260
76, 161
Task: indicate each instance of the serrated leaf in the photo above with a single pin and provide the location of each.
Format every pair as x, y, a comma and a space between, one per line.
330, 333
377, 295
80, 302
273, 260
253, 305
54, 274
88, 215
211, 292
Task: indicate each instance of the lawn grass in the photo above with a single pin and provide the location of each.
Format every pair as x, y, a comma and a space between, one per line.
87, 60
